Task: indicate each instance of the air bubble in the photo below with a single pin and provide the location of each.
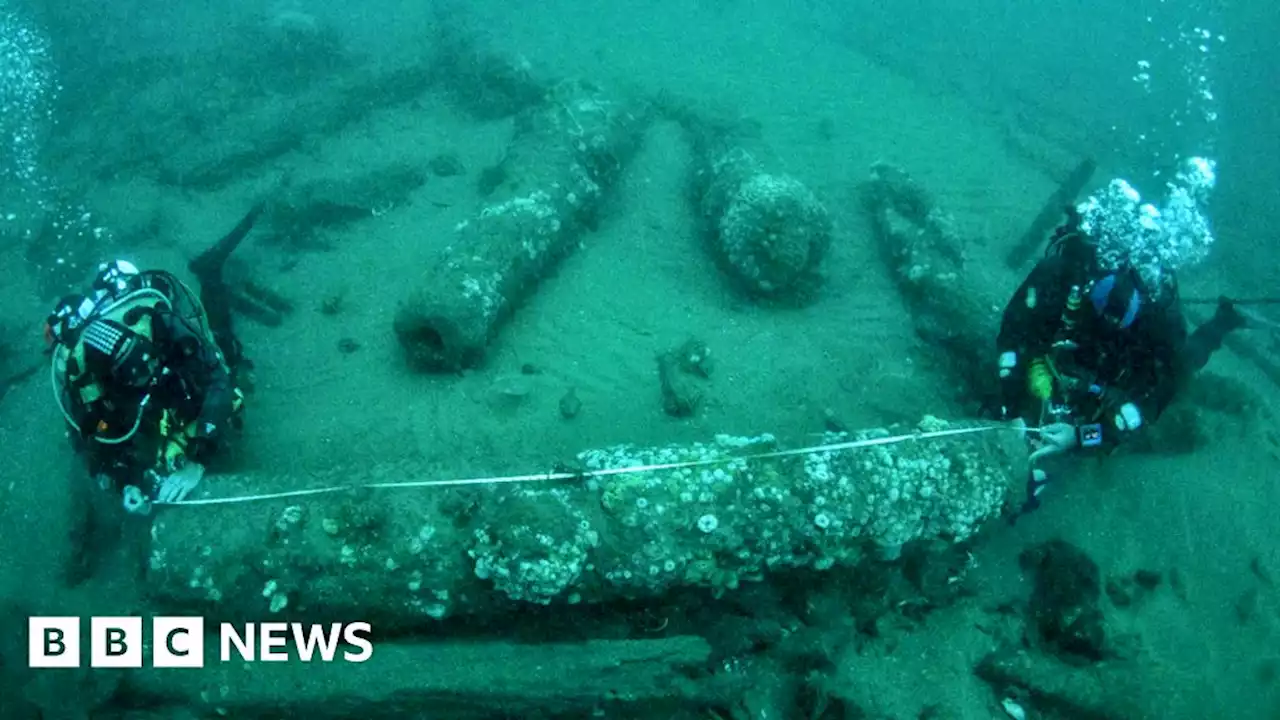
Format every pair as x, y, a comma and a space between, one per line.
27, 91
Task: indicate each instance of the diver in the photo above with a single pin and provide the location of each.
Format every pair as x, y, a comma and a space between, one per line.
146, 374
1093, 345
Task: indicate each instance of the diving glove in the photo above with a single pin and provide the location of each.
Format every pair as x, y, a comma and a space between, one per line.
1054, 439
177, 485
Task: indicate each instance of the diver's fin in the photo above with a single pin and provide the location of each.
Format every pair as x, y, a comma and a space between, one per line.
207, 267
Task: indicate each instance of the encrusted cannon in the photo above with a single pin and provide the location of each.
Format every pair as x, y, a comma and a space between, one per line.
955, 305
635, 523
566, 154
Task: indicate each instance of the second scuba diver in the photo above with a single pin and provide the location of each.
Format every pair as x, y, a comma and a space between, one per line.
145, 373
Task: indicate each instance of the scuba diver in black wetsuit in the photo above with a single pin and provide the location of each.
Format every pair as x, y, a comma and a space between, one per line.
1090, 352
146, 374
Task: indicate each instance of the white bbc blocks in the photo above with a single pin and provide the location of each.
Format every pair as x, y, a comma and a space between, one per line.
116, 642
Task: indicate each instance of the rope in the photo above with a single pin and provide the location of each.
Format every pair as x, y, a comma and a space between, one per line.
557, 476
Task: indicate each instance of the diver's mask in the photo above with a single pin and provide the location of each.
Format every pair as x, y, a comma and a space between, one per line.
1117, 298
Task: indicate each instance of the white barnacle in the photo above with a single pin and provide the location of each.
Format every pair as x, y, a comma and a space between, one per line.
290, 517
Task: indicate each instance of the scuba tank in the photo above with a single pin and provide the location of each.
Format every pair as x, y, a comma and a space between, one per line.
1070, 311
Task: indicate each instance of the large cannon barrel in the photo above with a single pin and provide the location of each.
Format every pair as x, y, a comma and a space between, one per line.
566, 154
631, 523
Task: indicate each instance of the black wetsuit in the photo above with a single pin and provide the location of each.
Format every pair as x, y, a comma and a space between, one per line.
193, 383
1104, 367
198, 386
197, 374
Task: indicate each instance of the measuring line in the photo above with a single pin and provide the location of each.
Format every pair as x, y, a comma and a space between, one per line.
556, 476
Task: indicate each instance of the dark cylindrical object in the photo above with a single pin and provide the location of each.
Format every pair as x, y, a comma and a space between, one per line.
769, 232
565, 156
402, 557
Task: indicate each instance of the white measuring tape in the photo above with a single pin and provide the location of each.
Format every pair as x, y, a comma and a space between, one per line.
556, 476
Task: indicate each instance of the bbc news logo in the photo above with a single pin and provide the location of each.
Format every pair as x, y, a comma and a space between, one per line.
178, 642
